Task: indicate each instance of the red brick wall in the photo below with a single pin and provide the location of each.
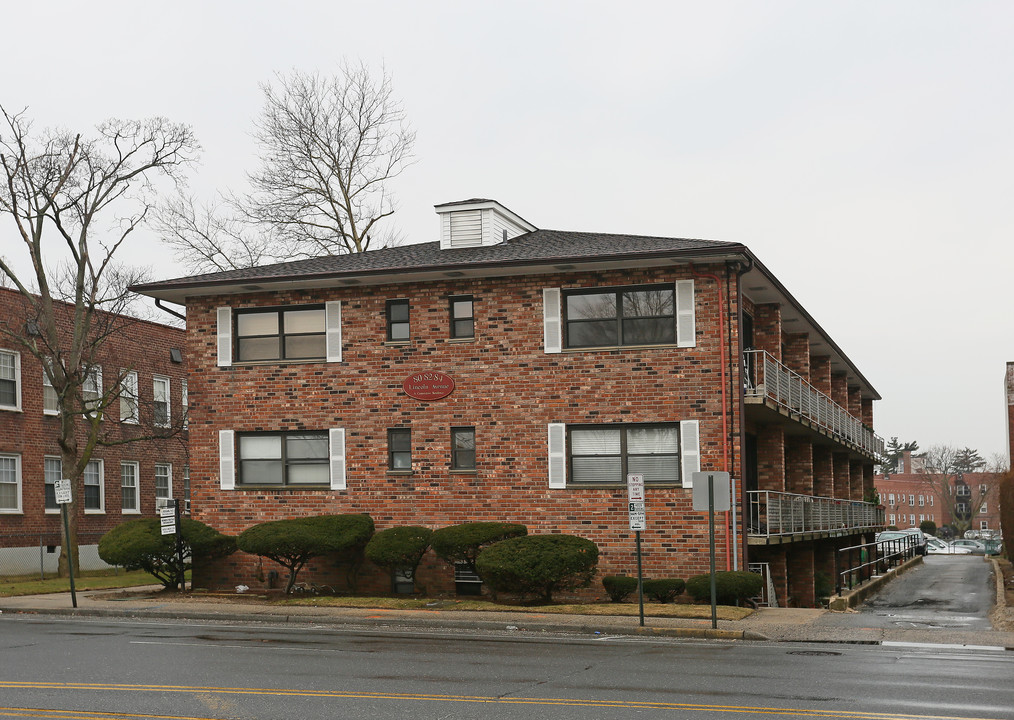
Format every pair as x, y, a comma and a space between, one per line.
820, 374
797, 354
505, 385
141, 346
799, 466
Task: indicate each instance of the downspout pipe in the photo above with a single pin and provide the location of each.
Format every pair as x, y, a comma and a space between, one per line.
741, 269
725, 406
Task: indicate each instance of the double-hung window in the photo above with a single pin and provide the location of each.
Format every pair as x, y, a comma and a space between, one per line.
163, 482
91, 389
10, 380
50, 400
399, 449
160, 401
397, 313
463, 448
281, 334
624, 316
462, 317
129, 487
185, 402
287, 458
53, 473
607, 454
128, 398
94, 500
10, 483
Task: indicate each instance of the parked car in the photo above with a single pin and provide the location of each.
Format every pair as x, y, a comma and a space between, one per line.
936, 546
900, 540
977, 547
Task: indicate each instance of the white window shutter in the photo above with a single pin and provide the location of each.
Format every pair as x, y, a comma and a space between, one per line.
224, 336
333, 313
551, 320
227, 459
690, 450
557, 455
686, 326
336, 443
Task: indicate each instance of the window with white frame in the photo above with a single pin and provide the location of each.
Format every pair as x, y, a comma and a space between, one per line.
129, 474
982, 508
128, 398
285, 458
891, 519
621, 316
607, 453
964, 490
931, 500
10, 380
984, 524
50, 401
163, 482
91, 389
922, 500
911, 520
911, 500
297, 333
186, 489
185, 402
160, 401
983, 489
10, 483
53, 472
94, 487
890, 499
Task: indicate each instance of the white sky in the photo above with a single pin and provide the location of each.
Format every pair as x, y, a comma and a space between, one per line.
862, 149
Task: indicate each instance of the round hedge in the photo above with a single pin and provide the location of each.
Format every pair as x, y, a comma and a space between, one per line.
665, 590
619, 587
464, 542
399, 548
538, 564
730, 587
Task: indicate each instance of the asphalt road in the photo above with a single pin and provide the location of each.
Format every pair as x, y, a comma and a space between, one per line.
98, 668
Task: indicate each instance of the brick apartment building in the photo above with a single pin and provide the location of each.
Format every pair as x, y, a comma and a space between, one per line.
122, 481
510, 373
913, 494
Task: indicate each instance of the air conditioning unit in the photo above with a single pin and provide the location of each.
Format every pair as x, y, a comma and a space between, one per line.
163, 502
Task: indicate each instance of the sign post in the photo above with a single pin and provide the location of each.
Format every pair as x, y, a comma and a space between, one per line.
711, 493
63, 498
170, 519
638, 522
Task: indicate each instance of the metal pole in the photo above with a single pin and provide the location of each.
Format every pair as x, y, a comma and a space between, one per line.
735, 533
640, 580
42, 561
70, 555
179, 545
711, 538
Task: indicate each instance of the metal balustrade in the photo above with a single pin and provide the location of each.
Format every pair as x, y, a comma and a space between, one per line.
772, 513
765, 377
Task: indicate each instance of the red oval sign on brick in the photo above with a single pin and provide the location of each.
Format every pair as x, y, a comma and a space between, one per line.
428, 385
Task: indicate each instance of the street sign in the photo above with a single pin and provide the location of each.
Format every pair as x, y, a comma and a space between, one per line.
635, 502
167, 511
635, 487
168, 520
62, 488
169, 529
721, 494
637, 517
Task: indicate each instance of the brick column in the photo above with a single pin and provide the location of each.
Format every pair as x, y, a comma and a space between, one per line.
823, 472
770, 458
867, 416
855, 406
800, 571
798, 465
857, 480
840, 390
797, 354
767, 329
840, 470
820, 374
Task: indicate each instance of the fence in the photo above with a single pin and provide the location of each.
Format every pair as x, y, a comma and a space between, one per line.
37, 555
857, 564
780, 513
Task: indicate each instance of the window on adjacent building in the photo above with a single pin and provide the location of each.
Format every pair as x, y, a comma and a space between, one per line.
163, 482
10, 483
186, 489
964, 490
94, 500
128, 398
891, 499
911, 520
911, 500
606, 454
281, 334
892, 519
984, 525
462, 317
397, 320
91, 389
291, 458
185, 402
399, 449
53, 472
10, 380
463, 448
983, 489
922, 500
50, 401
160, 401
982, 509
129, 487
623, 316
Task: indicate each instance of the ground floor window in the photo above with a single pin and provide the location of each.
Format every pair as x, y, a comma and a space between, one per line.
10, 483
128, 487
93, 490
288, 458
163, 483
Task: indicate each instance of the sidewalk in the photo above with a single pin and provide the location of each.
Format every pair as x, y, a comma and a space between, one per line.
771, 624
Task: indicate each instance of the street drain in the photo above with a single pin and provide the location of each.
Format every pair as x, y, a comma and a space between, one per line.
813, 652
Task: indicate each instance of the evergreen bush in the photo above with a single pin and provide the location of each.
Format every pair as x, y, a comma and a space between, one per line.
619, 587
664, 590
399, 548
731, 586
538, 564
464, 542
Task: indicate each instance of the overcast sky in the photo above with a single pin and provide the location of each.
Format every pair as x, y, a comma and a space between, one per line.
862, 150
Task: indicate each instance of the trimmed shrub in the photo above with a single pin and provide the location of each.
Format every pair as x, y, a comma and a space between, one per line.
538, 564
664, 590
292, 543
464, 542
399, 548
619, 587
731, 586
140, 545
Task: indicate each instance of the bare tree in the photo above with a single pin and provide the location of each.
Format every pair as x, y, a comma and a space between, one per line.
81, 197
946, 467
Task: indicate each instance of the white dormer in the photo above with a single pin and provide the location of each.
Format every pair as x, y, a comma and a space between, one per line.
478, 223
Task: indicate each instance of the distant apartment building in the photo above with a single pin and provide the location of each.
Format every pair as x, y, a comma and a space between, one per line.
121, 481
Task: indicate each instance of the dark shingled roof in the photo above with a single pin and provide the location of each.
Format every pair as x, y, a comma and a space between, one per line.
540, 246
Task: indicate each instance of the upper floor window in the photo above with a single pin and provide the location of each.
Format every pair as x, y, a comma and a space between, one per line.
281, 334
911, 500
624, 316
10, 380
160, 401
128, 399
397, 320
185, 402
399, 449
50, 400
463, 448
462, 317
983, 489
163, 482
982, 508
91, 389
285, 458
964, 491
10, 483
606, 454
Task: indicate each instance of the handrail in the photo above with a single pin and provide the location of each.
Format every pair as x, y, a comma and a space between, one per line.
857, 564
772, 513
766, 377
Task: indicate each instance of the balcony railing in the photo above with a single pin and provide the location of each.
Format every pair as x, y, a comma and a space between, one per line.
765, 377
779, 513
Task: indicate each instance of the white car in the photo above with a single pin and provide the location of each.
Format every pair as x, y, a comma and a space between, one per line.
936, 546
